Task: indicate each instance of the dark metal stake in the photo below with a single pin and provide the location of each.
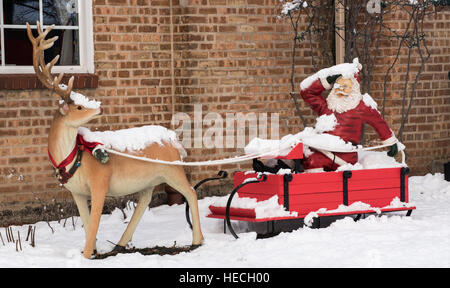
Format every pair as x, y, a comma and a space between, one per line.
221, 174
316, 223
262, 178
346, 175
286, 179
403, 172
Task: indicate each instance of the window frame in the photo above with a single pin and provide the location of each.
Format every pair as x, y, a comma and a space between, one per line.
86, 45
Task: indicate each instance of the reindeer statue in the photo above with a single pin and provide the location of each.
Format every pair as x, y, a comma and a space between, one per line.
85, 176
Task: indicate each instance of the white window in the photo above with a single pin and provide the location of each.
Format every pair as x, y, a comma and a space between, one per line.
72, 20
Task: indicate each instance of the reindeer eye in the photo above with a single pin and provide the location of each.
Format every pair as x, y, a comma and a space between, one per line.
79, 108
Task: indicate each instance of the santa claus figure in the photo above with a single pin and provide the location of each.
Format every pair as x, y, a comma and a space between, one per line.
350, 108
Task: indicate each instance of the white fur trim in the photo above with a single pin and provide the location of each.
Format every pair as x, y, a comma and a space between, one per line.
325, 83
369, 102
347, 70
358, 65
390, 141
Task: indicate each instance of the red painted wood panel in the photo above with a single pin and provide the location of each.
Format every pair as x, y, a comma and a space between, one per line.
261, 188
301, 199
312, 191
271, 186
250, 213
368, 194
316, 178
272, 179
367, 174
358, 184
305, 209
259, 197
309, 188
296, 153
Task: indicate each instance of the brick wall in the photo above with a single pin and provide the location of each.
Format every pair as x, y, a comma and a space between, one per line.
228, 55
427, 131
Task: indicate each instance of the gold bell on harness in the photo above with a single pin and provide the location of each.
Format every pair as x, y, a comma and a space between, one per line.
57, 174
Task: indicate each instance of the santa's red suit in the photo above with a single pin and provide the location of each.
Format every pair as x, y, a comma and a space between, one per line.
349, 125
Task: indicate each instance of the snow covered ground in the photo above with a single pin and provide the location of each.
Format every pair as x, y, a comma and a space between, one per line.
422, 240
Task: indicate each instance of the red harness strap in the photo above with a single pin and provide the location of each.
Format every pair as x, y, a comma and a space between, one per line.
66, 161
80, 145
85, 145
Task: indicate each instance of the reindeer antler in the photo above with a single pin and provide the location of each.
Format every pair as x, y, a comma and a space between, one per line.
43, 71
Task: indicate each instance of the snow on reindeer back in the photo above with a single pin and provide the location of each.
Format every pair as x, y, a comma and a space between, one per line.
347, 70
132, 139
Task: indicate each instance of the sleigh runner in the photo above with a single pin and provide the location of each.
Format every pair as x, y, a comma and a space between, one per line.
312, 196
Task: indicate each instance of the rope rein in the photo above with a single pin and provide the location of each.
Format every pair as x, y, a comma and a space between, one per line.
239, 158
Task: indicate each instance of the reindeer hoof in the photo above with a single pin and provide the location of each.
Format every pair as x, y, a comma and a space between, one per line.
195, 246
89, 256
198, 241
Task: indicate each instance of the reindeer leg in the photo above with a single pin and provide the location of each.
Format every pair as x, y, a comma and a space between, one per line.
99, 189
179, 182
82, 204
144, 200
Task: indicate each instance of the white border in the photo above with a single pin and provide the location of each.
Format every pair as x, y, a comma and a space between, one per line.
86, 46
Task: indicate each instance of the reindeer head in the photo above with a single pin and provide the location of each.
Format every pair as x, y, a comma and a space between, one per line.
75, 108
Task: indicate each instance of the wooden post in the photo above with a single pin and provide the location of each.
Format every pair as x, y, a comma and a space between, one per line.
340, 31
172, 63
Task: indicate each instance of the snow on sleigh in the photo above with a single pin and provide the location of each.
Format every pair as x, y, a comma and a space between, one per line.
273, 199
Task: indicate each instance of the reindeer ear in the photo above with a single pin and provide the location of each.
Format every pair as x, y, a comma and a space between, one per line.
63, 108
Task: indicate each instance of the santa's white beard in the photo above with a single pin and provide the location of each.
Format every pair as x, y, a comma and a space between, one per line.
345, 103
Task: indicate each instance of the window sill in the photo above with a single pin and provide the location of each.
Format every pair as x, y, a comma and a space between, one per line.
30, 81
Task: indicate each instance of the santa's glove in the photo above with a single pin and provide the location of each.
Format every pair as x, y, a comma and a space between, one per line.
393, 150
331, 79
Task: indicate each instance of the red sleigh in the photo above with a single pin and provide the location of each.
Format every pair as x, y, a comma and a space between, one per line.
323, 193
